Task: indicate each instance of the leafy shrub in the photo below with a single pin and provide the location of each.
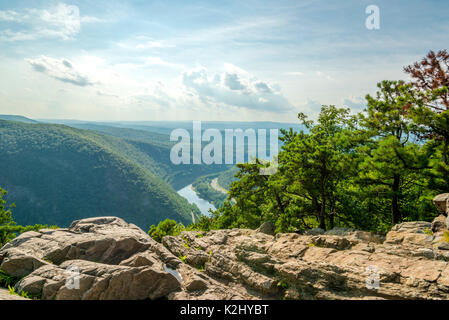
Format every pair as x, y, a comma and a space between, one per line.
7, 280
165, 228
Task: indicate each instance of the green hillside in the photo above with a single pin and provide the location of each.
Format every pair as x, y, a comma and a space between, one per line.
11, 117
152, 151
56, 174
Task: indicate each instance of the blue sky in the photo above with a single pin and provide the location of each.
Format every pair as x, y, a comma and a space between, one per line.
205, 60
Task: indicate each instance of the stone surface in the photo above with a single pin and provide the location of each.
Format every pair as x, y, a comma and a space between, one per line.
115, 260
5, 295
440, 202
98, 282
335, 265
438, 224
314, 231
267, 228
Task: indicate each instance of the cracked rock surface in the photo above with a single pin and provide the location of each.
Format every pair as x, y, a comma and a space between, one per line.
106, 258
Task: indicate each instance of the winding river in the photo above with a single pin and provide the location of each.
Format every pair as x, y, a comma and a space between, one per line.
192, 197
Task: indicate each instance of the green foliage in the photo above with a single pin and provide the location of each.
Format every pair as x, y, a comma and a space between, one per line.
7, 280
203, 223
445, 236
282, 284
368, 171
152, 151
22, 294
183, 259
165, 228
202, 268
9, 229
304, 192
227, 177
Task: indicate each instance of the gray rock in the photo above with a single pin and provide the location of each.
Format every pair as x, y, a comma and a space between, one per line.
197, 284
267, 228
412, 227
440, 202
98, 282
438, 224
116, 260
314, 231
443, 245
339, 231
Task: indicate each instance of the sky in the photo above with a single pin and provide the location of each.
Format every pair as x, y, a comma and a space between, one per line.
206, 60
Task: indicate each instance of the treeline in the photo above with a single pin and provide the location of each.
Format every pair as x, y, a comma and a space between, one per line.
367, 171
9, 229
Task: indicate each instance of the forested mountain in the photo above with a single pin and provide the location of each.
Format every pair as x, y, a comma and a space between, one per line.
56, 174
154, 154
11, 117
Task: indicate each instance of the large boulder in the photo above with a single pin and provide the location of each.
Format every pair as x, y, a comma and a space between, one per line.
267, 228
116, 260
98, 282
441, 203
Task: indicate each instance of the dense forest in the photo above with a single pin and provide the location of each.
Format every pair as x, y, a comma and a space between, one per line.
56, 174
368, 171
155, 146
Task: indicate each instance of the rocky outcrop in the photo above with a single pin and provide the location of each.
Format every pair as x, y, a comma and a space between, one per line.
106, 258
96, 258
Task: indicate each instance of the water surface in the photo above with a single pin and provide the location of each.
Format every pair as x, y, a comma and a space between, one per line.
192, 197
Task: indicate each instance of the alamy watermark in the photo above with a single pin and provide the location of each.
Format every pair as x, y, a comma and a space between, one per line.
73, 280
372, 22
372, 281
212, 153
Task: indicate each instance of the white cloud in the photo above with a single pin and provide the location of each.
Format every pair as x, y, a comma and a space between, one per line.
61, 21
355, 103
141, 43
237, 89
9, 15
294, 73
324, 75
60, 69
151, 61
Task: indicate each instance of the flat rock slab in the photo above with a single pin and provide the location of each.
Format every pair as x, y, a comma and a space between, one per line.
5, 295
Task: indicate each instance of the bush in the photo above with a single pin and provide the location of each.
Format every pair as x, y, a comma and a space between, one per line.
165, 228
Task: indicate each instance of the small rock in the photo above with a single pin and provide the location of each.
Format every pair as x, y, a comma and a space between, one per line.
339, 231
440, 202
314, 232
196, 284
443, 245
438, 224
267, 228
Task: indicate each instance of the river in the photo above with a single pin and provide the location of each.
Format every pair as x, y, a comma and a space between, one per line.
192, 197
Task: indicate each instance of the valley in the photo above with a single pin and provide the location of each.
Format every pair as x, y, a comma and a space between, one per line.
58, 171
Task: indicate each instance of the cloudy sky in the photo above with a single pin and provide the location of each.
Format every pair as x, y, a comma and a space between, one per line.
205, 60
